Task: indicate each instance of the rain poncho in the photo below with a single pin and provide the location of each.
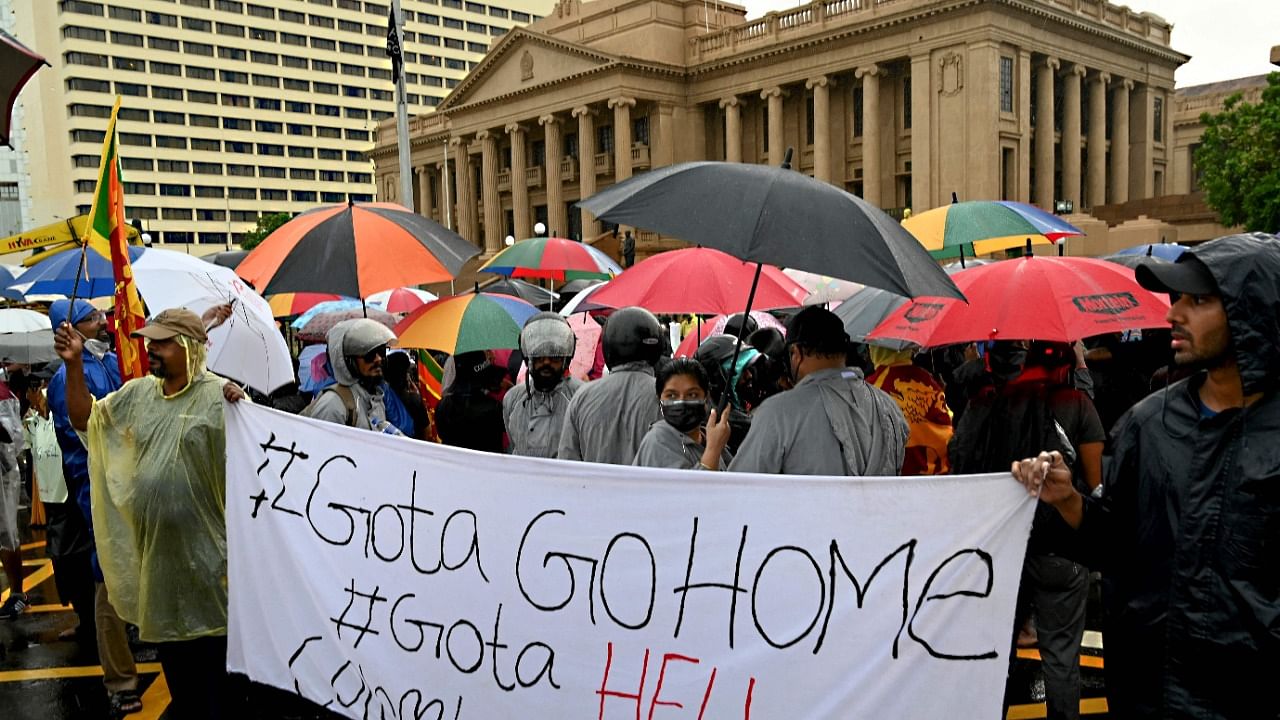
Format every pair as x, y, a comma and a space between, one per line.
10, 479
608, 418
666, 447
158, 470
371, 412
831, 423
534, 419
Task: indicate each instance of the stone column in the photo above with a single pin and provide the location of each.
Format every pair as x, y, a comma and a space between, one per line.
871, 175
1047, 69
662, 135
776, 150
587, 166
622, 136
1022, 101
1120, 141
426, 202
468, 212
821, 87
519, 185
489, 184
1142, 142
923, 183
556, 219
1071, 140
732, 128
1096, 190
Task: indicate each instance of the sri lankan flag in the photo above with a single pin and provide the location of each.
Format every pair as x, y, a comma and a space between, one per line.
107, 233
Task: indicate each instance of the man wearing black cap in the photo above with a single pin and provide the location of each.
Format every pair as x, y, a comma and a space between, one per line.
832, 422
1186, 529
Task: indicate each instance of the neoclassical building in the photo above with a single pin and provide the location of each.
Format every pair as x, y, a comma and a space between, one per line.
903, 102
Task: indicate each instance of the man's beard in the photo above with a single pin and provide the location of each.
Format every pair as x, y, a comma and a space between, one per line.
545, 379
157, 366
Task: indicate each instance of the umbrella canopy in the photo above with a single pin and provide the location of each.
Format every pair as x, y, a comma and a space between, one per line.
18, 320
775, 216
1060, 299
355, 250
28, 348
247, 347
17, 65
715, 326
981, 227
463, 323
865, 310
518, 288
581, 302
1165, 251
964, 264
554, 259
57, 275
822, 289
227, 258
290, 304
318, 327
1133, 261
400, 300
8, 276
698, 280
328, 306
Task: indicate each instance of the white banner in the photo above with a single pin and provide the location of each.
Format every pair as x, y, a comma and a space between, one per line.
386, 578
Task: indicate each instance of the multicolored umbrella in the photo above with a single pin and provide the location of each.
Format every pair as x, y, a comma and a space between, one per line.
462, 323
1059, 299
699, 280
823, 289
716, 326
328, 306
355, 250
290, 304
318, 327
985, 226
17, 64
401, 300
526, 291
554, 259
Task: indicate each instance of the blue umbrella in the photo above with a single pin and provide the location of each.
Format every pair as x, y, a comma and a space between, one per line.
1164, 251
327, 306
57, 275
7, 278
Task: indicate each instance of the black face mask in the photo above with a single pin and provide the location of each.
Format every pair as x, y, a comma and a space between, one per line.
684, 415
1007, 361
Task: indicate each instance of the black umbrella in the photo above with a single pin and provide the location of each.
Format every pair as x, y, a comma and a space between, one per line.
1133, 260
863, 311
17, 65
528, 292
776, 216
227, 258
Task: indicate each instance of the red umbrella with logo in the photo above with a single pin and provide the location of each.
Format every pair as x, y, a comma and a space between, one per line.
699, 280
1031, 298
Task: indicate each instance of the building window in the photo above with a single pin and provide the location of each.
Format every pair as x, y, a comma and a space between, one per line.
75, 32
181, 166
520, 16
171, 141
331, 175
242, 148
906, 103
89, 161
293, 17
156, 43
329, 154
356, 113
123, 13
196, 3
357, 177
230, 30
135, 114
266, 126
130, 64
176, 214
144, 213
497, 12
164, 68
362, 135
241, 170
206, 168
131, 89
269, 149
195, 48
97, 111
140, 164
305, 196
82, 58
200, 96
204, 121
196, 24
1157, 119
355, 156
764, 129
132, 188
452, 64
640, 130
266, 103
162, 19
244, 216
325, 88
201, 73
271, 171
209, 191
302, 174
299, 151
321, 21
167, 190
232, 76
230, 6
174, 236
261, 11
328, 132
323, 44
123, 38
1006, 84
235, 100
297, 129
227, 53
239, 193
170, 118
206, 144
604, 139
166, 93
211, 215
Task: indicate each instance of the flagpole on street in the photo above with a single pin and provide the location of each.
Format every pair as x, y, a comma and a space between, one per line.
395, 52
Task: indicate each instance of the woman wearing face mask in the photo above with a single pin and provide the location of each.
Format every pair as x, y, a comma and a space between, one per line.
691, 435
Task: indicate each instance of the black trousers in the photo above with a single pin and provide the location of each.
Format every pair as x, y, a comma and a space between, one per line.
1056, 591
199, 687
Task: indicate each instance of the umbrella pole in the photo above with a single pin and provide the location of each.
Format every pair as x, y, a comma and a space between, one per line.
364, 308
82, 269
742, 329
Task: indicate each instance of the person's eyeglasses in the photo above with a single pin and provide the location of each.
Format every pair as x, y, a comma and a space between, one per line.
375, 354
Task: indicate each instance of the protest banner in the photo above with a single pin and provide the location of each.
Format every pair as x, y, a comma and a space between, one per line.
386, 578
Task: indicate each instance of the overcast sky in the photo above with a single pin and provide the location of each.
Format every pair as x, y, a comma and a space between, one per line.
1225, 38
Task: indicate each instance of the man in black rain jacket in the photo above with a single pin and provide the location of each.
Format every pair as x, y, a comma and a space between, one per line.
1187, 528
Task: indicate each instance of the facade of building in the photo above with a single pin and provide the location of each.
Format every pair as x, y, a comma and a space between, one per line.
14, 195
903, 102
231, 109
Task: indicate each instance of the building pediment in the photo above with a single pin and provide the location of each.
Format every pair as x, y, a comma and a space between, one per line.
524, 60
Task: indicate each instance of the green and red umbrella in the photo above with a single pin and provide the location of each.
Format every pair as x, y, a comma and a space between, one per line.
980, 227
552, 258
462, 323
355, 250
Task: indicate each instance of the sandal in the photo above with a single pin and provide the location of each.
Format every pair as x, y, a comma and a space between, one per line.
125, 702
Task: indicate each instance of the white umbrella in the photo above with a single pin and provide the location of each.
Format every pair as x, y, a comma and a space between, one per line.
247, 347
822, 289
28, 348
18, 320
168, 279
581, 299
400, 300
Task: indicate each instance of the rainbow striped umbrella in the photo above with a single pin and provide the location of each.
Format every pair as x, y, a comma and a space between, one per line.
462, 323
554, 259
982, 226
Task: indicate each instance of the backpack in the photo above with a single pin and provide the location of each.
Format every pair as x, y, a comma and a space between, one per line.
348, 401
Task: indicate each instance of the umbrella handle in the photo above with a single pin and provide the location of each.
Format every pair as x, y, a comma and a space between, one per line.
82, 269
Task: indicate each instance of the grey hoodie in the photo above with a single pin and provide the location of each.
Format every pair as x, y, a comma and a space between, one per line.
328, 405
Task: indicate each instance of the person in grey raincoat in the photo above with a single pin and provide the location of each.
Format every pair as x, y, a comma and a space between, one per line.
608, 418
1186, 528
357, 349
691, 434
832, 422
534, 412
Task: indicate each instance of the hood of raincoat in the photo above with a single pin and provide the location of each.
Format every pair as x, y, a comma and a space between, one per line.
61, 309
1247, 270
369, 334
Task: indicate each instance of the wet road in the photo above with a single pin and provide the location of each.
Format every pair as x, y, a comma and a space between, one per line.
44, 677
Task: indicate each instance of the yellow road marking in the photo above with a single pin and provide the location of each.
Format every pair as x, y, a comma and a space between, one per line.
1089, 661
32, 580
48, 608
32, 546
155, 700
58, 673
1088, 706
36, 562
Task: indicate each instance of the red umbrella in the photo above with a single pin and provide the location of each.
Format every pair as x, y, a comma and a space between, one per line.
17, 64
699, 280
1031, 298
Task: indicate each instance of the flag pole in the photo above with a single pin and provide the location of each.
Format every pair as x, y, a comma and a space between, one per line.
395, 51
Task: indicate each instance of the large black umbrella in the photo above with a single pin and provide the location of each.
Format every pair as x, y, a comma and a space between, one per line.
863, 311
227, 258
17, 65
526, 291
774, 215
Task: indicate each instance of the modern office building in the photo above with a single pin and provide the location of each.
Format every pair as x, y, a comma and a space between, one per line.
231, 109
903, 102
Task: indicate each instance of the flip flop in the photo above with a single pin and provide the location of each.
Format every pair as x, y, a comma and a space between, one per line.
125, 702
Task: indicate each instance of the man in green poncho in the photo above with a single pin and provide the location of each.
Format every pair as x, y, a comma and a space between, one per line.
157, 453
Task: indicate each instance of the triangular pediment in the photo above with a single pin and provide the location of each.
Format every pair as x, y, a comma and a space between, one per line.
523, 60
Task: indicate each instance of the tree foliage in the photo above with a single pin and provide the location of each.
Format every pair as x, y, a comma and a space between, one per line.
267, 224
1239, 158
